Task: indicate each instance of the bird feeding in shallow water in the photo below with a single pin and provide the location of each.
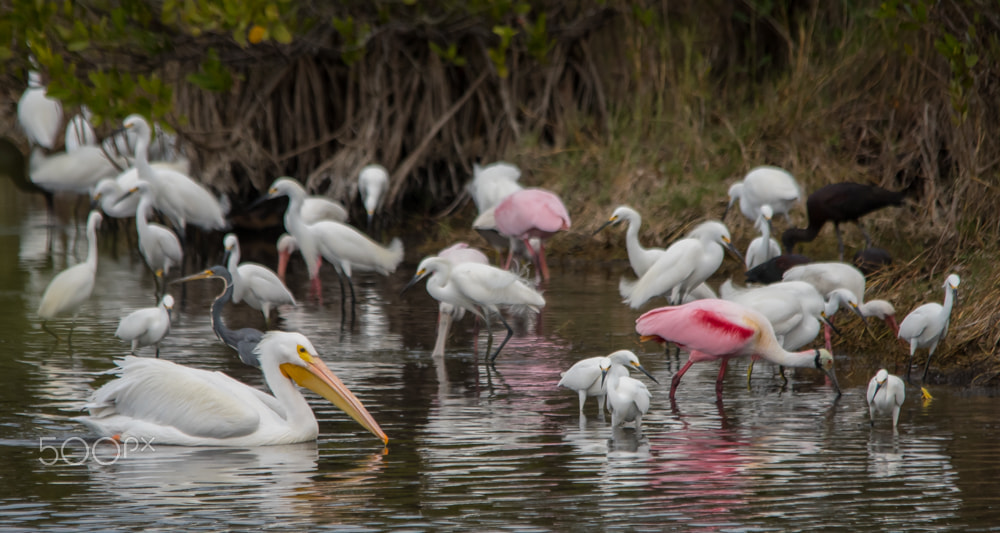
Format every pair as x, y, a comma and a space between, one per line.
720, 330
762, 186
926, 325
148, 326
482, 289
586, 377
447, 313
531, 214
168, 403
683, 266
639, 257
840, 202
373, 182
628, 397
244, 340
159, 246
73, 286
885, 396
254, 283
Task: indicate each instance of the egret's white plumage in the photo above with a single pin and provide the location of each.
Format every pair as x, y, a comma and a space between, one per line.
158, 245
829, 276
167, 403
926, 325
639, 257
793, 308
40, 116
765, 185
147, 326
302, 233
492, 183
71, 287
628, 397
75, 172
79, 131
885, 396
763, 248
373, 182
683, 266
584, 376
447, 313
317, 208
254, 283
350, 251
176, 195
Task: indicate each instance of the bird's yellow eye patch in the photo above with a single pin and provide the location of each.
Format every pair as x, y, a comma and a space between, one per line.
273, 190
304, 354
421, 271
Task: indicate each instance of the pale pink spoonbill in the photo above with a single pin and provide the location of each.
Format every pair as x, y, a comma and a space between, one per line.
532, 213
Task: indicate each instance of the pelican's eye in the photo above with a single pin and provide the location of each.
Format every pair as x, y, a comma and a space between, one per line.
304, 354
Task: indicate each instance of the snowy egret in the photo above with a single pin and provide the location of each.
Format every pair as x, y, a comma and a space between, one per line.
640, 258
159, 246
244, 340
177, 196
373, 182
316, 208
305, 239
531, 214
40, 116
761, 186
492, 183
79, 131
762, 248
350, 250
683, 266
254, 283
585, 376
628, 397
447, 313
168, 403
71, 287
720, 330
893, 392
480, 288
840, 202
926, 325
147, 326
828, 276
76, 172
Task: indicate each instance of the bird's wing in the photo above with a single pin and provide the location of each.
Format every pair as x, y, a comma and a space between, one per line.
675, 265
582, 374
916, 323
168, 242
490, 285
265, 284
196, 402
136, 323
708, 326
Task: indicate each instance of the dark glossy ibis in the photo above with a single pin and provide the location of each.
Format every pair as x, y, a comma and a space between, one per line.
772, 270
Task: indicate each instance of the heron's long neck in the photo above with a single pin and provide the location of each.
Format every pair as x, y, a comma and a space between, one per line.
298, 414
142, 217
632, 245
142, 166
218, 326
301, 231
92, 246
234, 262
949, 301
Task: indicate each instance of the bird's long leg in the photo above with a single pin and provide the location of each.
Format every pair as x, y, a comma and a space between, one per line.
718, 380
543, 267
677, 378
868, 238
840, 242
909, 363
489, 333
45, 326
927, 365
510, 254
510, 333
350, 283
750, 370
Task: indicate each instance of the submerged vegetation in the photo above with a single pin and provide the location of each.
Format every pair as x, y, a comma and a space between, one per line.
653, 104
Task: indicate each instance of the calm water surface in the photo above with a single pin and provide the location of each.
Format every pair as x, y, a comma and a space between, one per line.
471, 447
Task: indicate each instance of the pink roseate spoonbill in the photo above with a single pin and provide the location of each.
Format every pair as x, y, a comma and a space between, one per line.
764, 247
761, 186
480, 288
683, 266
373, 181
639, 257
628, 397
885, 396
447, 312
840, 202
147, 326
772, 270
721, 330
528, 214
584, 377
40, 116
254, 283
73, 286
926, 325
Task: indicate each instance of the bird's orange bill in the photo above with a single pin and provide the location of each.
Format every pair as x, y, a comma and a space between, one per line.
647, 338
319, 379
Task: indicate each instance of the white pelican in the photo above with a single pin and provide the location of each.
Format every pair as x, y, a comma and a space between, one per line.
885, 396
167, 403
926, 325
254, 283
585, 376
71, 287
147, 326
373, 180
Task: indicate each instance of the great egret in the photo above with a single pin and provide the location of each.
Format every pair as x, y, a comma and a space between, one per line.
254, 283
531, 214
147, 326
640, 258
244, 340
840, 202
168, 403
71, 287
628, 397
761, 186
373, 182
885, 396
585, 376
721, 330
926, 325
480, 288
